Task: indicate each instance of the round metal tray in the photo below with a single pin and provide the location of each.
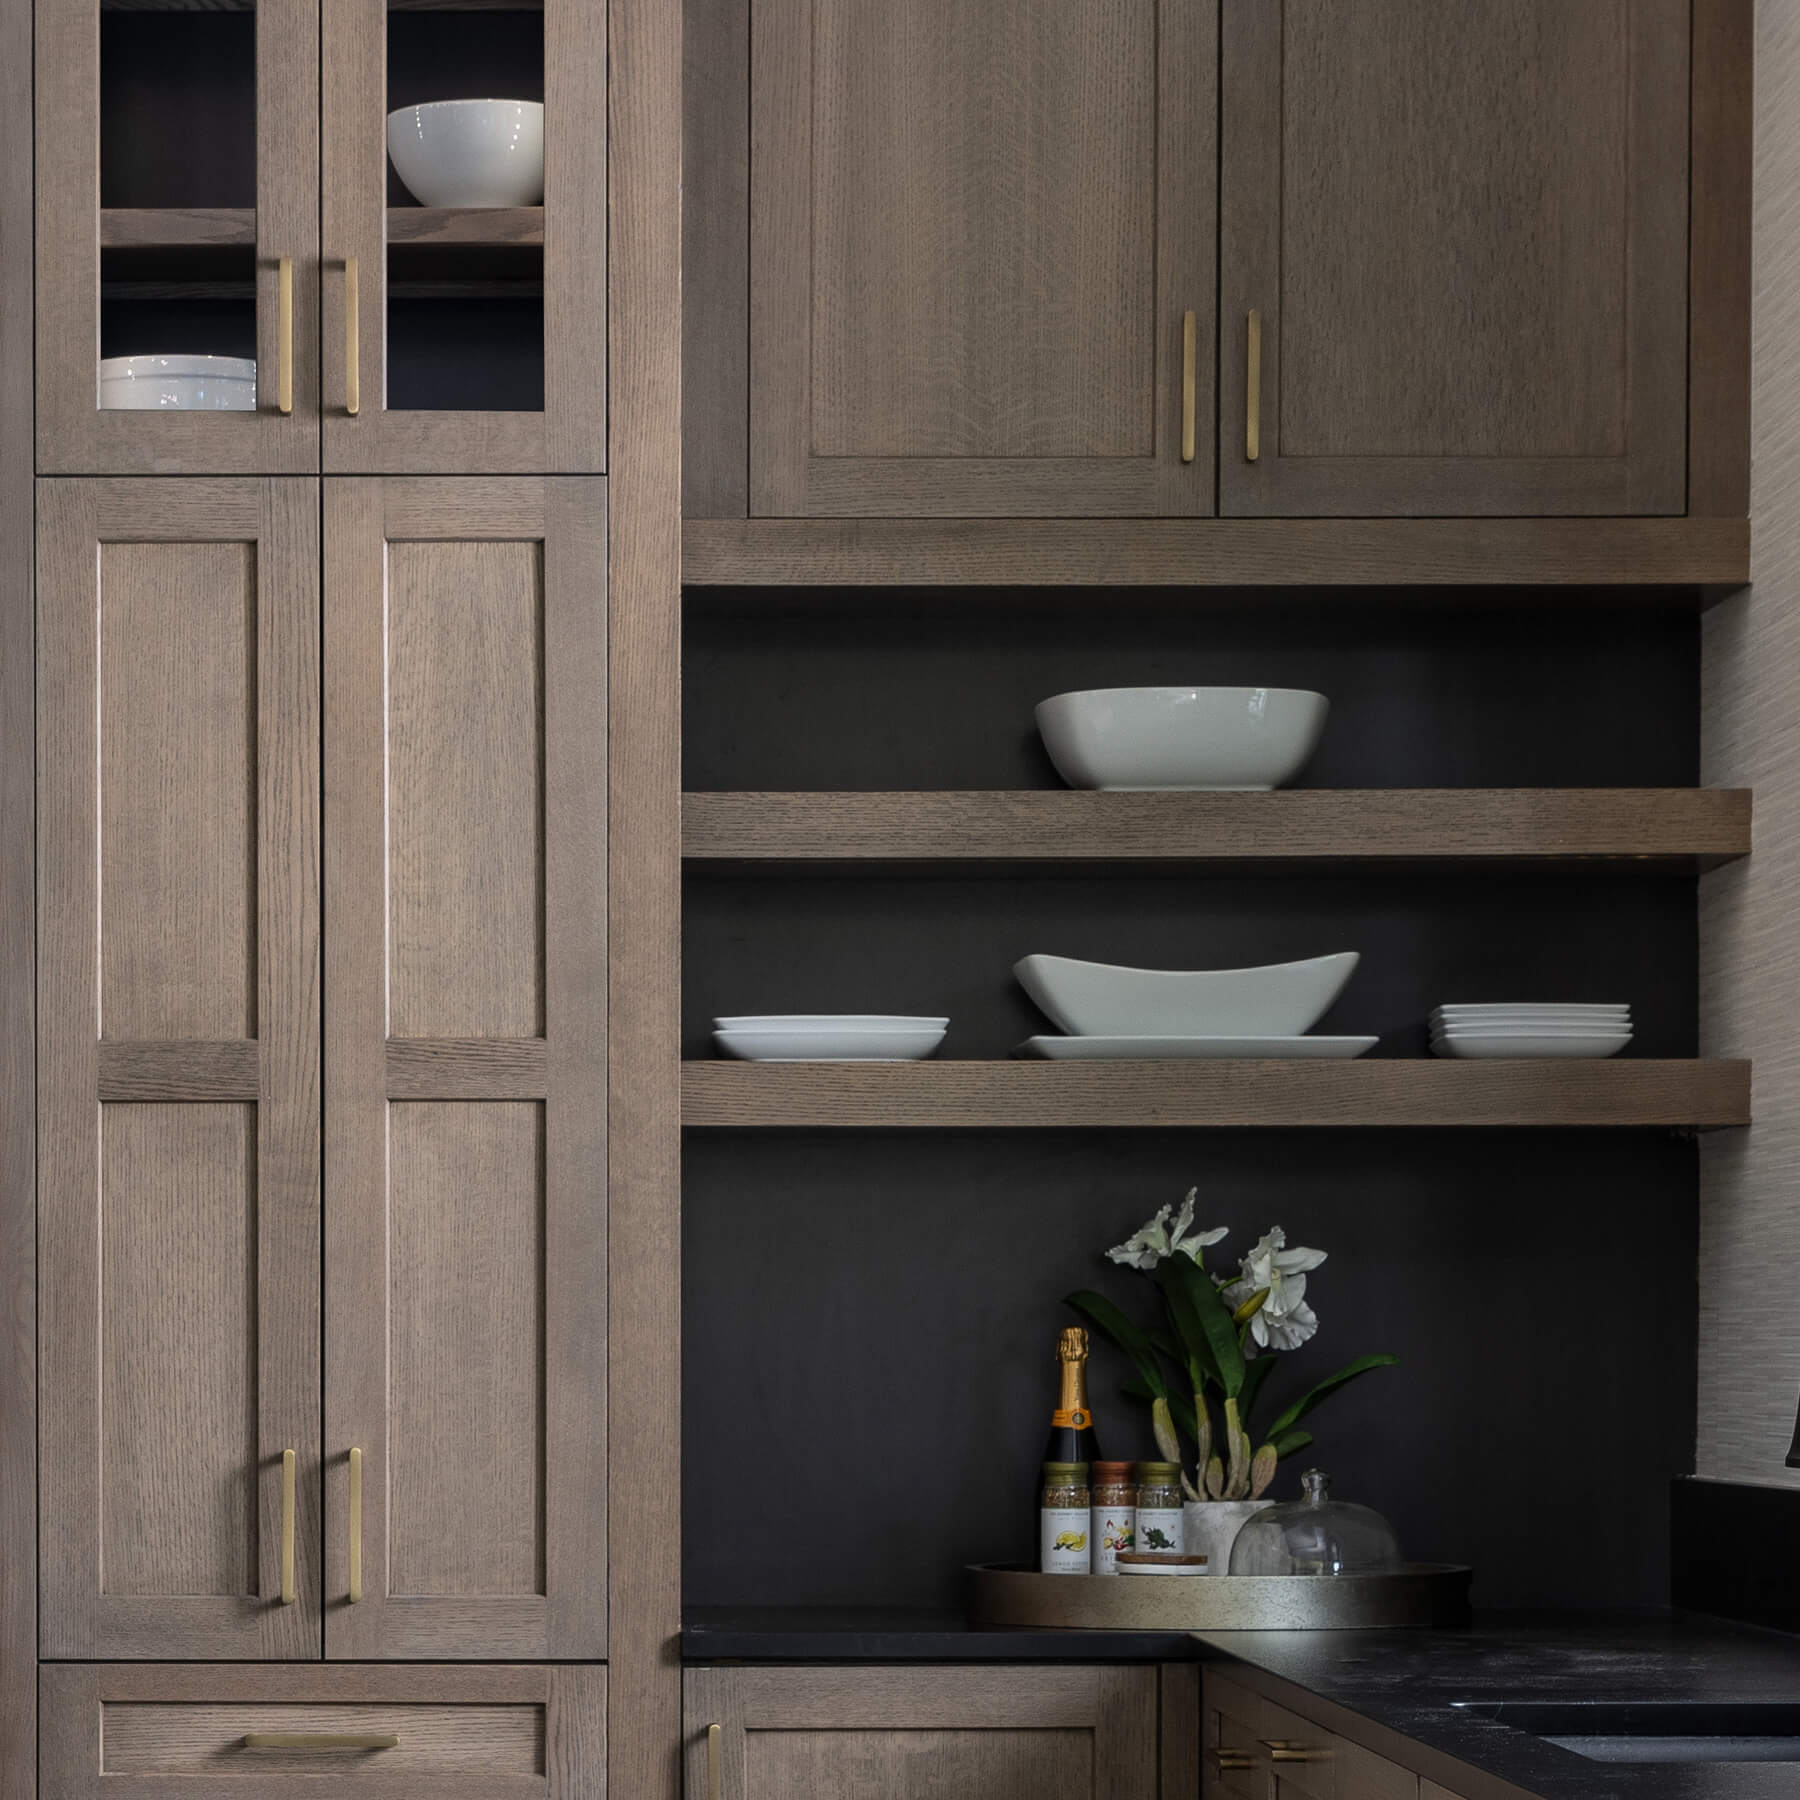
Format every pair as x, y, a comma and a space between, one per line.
1419, 1594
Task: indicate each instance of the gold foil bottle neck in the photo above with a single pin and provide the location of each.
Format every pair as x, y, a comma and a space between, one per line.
1072, 1345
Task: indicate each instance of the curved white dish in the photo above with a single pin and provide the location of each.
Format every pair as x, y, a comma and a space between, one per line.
1239, 739
1104, 1000
470, 152
1194, 1049
178, 383
1523, 1044
827, 1022
848, 1045
1574, 1009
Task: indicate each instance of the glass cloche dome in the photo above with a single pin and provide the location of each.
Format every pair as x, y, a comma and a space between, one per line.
1316, 1535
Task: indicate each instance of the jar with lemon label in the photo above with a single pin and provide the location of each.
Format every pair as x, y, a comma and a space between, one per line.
1063, 1524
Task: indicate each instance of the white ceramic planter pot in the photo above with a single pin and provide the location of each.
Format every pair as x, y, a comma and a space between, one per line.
1209, 1528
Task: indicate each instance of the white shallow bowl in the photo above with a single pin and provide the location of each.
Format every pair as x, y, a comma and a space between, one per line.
1104, 1000
1194, 1049
178, 383
827, 1022
851, 1044
1240, 739
470, 152
1546, 1010
1524, 1044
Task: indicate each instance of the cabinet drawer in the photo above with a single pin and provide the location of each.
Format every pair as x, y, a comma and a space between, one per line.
419, 1733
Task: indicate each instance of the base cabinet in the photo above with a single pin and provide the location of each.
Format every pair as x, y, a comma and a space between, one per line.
882, 1733
384, 1732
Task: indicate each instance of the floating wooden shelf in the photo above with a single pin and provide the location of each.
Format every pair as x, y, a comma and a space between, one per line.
175, 227
1695, 560
451, 225
1106, 1096
1653, 830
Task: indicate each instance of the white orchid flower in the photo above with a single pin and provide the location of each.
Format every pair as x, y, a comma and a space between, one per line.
1166, 1235
1284, 1321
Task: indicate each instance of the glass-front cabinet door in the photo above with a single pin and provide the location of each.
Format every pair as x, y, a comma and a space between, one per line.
464, 236
177, 236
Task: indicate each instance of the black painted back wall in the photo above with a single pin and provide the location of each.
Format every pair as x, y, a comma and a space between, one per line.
868, 1316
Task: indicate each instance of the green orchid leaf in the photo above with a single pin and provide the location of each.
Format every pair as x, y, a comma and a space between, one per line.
1203, 1321
1108, 1319
1137, 1390
1327, 1387
1256, 1371
1289, 1442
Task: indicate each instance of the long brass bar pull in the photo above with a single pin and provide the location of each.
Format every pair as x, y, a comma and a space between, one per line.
287, 1528
1227, 1760
352, 339
712, 1762
1253, 388
1285, 1750
321, 1740
1189, 350
284, 386
355, 1526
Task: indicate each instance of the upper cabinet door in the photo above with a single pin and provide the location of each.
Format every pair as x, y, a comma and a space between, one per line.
178, 1068
465, 1016
1461, 233
178, 235
465, 314
982, 257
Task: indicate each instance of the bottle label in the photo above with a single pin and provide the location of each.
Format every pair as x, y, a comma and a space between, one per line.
1159, 1528
1112, 1529
1079, 1418
1063, 1533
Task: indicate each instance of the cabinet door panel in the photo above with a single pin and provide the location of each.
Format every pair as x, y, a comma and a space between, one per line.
975, 232
466, 1012
178, 816
1464, 231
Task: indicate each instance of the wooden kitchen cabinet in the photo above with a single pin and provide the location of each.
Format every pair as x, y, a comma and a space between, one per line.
981, 257
178, 1067
388, 1733
465, 1021
1461, 233
885, 1733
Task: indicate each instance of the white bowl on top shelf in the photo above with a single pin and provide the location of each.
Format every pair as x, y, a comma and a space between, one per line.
854, 1038
470, 152
178, 383
1239, 739
1090, 999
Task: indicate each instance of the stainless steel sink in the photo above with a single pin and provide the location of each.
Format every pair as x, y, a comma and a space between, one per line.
1656, 1731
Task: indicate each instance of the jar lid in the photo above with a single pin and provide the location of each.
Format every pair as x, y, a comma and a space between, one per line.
1159, 1471
1112, 1471
1065, 1472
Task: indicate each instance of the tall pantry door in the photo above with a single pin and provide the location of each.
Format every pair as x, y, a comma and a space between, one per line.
465, 990
178, 1060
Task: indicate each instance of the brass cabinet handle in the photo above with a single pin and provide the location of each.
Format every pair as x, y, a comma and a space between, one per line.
352, 340
712, 1762
287, 1528
1226, 1760
321, 1740
1285, 1750
355, 1526
284, 389
1253, 388
1189, 348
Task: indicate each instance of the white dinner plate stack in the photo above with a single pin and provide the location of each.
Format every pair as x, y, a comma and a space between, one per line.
828, 1037
1523, 1029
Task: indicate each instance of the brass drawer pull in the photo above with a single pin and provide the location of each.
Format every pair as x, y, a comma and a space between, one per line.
287, 1528
1227, 1760
1285, 1750
712, 1762
1253, 387
352, 339
321, 1740
355, 1526
284, 389
1189, 352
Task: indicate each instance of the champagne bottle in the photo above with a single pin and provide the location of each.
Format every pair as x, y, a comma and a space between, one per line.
1072, 1438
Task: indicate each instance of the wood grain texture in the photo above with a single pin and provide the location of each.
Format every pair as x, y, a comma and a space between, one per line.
467, 1069
1680, 555
465, 224
643, 903
132, 227
1179, 1728
569, 434
1465, 232
94, 1178
1646, 829
1034, 1096
974, 232
73, 435
229, 1070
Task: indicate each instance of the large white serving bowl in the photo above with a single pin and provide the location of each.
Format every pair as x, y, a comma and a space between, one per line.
1239, 739
470, 152
1103, 1000
179, 383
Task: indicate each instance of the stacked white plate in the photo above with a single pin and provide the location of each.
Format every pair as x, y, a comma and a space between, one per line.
1522, 1029
828, 1037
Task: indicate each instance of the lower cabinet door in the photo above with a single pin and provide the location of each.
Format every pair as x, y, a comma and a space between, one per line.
426, 1732
882, 1733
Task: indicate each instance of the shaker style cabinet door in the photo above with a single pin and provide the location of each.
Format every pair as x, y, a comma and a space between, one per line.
464, 339
982, 257
177, 238
1453, 257
920, 1733
465, 1030
178, 1068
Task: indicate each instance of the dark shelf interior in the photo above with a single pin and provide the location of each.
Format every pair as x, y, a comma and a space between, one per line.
199, 300
465, 328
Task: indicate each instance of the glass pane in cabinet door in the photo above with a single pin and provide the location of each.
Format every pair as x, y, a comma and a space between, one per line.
177, 329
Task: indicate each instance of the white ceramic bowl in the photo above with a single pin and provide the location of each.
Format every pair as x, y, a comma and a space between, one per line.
470, 152
1235, 738
1102, 1000
1511, 1044
853, 1043
827, 1022
179, 383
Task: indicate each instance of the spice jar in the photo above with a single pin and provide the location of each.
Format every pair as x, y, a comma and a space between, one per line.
1159, 1507
1113, 1515
1063, 1520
